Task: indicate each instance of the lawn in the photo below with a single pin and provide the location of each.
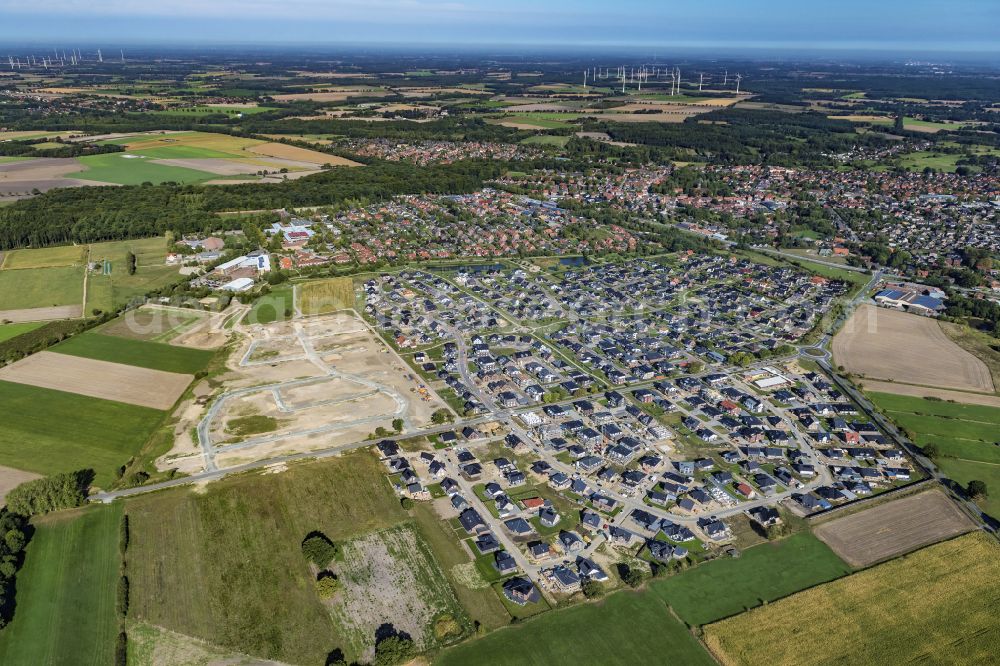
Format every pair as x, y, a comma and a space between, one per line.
937, 605
47, 257
107, 292
66, 591
275, 306
119, 169
48, 432
224, 564
141, 353
326, 295
41, 287
10, 331
625, 628
727, 586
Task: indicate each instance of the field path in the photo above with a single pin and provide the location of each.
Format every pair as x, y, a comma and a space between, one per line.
86, 274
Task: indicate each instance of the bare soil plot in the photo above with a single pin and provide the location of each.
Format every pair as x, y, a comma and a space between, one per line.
42, 314
11, 478
43, 174
902, 347
390, 577
98, 379
896, 527
297, 154
923, 392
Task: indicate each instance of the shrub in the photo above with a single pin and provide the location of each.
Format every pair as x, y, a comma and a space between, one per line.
318, 549
327, 585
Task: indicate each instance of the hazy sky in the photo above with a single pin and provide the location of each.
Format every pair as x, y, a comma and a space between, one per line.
905, 25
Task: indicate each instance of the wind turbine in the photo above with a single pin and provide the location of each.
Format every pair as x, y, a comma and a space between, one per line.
738, 79
725, 79
100, 58
701, 81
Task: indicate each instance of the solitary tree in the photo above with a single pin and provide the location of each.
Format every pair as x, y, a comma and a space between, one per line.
976, 490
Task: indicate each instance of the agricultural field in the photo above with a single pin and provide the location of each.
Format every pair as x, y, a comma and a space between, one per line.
885, 344
40, 287
66, 591
127, 169
224, 564
52, 278
965, 436
326, 296
770, 571
104, 380
627, 627
931, 605
138, 353
893, 528
47, 431
48, 257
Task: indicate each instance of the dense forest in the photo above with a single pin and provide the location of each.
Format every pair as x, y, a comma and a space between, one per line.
89, 214
744, 136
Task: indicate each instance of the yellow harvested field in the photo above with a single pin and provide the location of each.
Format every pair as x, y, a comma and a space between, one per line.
297, 154
893, 528
98, 379
879, 343
326, 296
207, 140
937, 605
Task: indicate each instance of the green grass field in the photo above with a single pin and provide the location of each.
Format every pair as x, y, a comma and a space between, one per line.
121, 170
47, 257
938, 605
967, 438
152, 355
66, 591
48, 432
41, 287
727, 586
547, 140
107, 292
10, 331
542, 120
224, 564
625, 628
275, 306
